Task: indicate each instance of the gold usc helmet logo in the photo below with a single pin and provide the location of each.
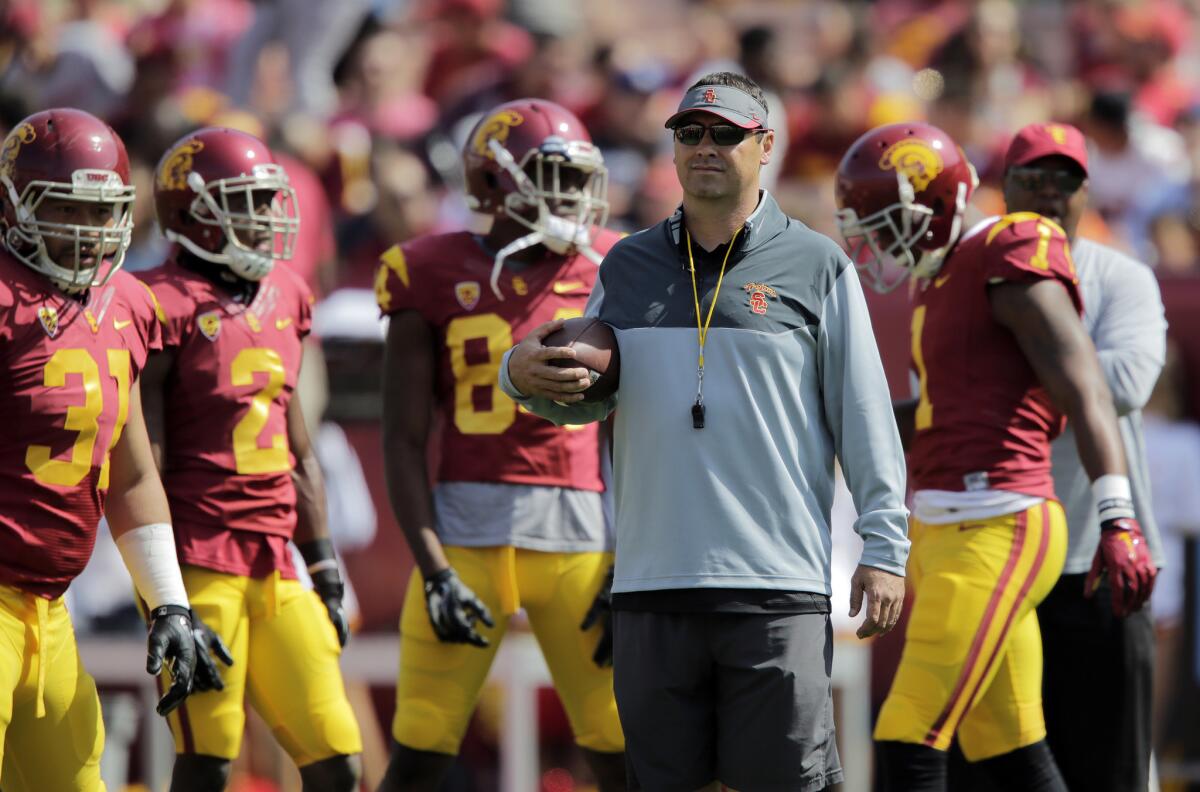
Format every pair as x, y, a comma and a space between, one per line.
177, 164
918, 161
23, 134
495, 128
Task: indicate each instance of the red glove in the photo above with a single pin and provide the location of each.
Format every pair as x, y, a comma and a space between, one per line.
1125, 557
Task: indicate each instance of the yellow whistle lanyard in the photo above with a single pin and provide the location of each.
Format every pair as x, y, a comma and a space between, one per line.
702, 329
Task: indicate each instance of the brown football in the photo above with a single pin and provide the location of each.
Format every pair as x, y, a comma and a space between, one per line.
595, 347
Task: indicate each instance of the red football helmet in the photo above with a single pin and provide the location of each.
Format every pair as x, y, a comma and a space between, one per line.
220, 194
534, 162
901, 193
65, 155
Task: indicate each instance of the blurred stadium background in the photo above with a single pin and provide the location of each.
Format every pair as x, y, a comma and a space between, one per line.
367, 101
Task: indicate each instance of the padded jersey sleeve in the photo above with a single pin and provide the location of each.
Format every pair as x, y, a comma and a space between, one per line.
1025, 246
395, 290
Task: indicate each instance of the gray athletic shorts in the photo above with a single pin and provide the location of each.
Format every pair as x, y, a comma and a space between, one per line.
745, 699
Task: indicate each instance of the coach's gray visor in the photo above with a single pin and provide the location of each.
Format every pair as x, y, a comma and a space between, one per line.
732, 104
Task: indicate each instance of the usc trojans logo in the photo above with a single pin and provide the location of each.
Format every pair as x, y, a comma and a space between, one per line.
915, 159
495, 128
1057, 133
173, 173
23, 134
759, 292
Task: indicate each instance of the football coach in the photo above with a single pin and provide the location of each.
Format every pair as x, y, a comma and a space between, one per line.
748, 365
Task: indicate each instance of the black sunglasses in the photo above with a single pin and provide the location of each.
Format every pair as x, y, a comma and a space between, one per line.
1036, 179
721, 134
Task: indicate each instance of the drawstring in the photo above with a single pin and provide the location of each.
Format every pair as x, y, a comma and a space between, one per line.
506, 578
42, 606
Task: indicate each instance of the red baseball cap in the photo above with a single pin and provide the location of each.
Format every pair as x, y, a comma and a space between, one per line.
1045, 140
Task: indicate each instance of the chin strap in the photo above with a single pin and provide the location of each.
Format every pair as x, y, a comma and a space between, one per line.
516, 246
554, 244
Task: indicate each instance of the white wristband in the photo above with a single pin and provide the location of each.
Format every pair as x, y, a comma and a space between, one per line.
149, 555
1112, 497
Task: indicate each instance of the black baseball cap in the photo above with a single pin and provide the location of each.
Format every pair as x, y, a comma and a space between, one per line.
724, 101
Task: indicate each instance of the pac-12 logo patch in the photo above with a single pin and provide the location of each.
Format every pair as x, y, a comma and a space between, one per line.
209, 325
467, 294
48, 316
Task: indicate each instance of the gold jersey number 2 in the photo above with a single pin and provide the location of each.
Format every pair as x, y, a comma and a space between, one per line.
248, 456
83, 419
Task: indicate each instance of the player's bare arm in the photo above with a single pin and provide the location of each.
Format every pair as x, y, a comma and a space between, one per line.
531, 372
153, 381
906, 419
408, 392
408, 395
210, 646
140, 521
1047, 327
312, 526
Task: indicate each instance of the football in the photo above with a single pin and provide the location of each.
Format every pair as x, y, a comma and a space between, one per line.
595, 347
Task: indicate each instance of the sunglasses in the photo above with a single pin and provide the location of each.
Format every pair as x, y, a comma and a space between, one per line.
721, 134
1036, 179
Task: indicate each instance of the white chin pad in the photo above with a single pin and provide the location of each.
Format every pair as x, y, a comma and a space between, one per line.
249, 264
561, 235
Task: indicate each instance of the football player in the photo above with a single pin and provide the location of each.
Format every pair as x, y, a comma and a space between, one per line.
515, 518
239, 469
74, 336
1002, 359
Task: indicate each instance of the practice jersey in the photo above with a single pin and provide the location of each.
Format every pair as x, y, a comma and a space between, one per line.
983, 420
227, 467
66, 369
485, 437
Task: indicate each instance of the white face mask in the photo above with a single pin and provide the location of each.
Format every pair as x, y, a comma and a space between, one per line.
212, 207
26, 241
569, 230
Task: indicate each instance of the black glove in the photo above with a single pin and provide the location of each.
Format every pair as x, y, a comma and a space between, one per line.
171, 640
327, 582
601, 613
208, 646
454, 608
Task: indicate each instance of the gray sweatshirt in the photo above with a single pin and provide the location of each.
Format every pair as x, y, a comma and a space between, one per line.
792, 380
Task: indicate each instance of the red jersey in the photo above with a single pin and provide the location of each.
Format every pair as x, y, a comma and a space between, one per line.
983, 420
66, 368
485, 437
227, 467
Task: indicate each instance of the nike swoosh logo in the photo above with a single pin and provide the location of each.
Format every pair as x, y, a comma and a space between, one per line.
282, 323
121, 325
566, 287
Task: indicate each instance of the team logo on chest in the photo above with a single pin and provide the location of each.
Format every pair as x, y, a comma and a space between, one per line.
467, 294
759, 294
48, 316
209, 324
